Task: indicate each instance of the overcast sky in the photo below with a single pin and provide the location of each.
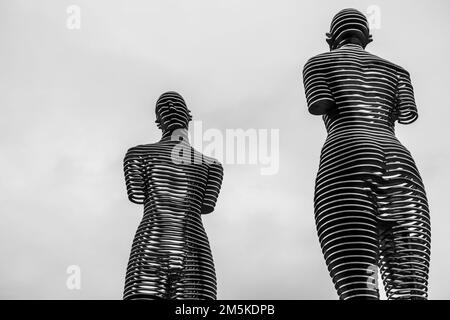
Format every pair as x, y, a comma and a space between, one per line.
73, 101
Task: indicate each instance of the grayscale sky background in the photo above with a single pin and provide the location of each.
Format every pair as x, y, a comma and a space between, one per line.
73, 101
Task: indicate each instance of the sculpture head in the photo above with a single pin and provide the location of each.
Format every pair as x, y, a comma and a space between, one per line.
172, 112
349, 26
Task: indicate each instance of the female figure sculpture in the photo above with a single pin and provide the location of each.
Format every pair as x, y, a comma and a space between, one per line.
370, 203
170, 256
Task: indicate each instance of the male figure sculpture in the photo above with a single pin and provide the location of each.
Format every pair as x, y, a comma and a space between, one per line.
370, 204
170, 256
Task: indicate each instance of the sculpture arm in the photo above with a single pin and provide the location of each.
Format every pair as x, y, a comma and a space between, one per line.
213, 185
405, 104
318, 94
134, 175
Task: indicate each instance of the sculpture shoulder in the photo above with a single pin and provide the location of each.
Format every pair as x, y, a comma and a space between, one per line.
142, 149
318, 60
389, 64
401, 71
212, 163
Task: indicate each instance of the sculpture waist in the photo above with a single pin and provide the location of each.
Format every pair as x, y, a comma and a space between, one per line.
361, 130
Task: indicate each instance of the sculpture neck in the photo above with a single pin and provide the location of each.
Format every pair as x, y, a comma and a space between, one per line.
180, 134
350, 42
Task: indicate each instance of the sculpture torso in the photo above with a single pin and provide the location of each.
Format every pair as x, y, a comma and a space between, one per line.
370, 94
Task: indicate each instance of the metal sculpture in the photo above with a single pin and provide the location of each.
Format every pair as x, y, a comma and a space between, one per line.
370, 203
170, 256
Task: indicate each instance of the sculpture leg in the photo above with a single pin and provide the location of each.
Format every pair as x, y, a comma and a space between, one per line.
196, 283
146, 280
347, 228
405, 247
